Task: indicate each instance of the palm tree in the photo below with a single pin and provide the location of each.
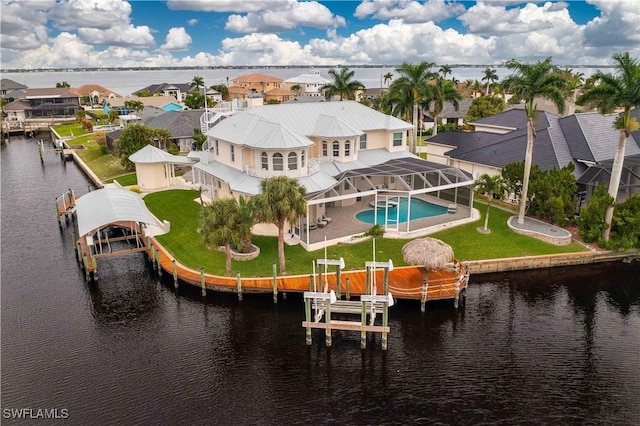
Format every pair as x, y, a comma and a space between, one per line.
491, 185
619, 90
296, 89
246, 220
413, 84
445, 70
387, 78
281, 201
198, 82
218, 226
490, 76
343, 85
574, 83
134, 106
63, 84
529, 81
440, 92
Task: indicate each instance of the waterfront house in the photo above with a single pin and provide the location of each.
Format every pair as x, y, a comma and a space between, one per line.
94, 93
586, 139
245, 86
11, 90
164, 103
49, 104
179, 91
345, 154
448, 115
309, 83
181, 125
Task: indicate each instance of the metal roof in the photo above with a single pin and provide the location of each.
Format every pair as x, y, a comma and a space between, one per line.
99, 208
254, 131
330, 126
152, 155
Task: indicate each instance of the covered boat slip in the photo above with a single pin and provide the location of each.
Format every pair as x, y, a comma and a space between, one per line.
106, 217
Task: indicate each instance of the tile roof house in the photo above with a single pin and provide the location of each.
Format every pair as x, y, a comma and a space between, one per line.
587, 139
341, 152
95, 93
180, 124
257, 83
179, 91
44, 103
10, 89
448, 115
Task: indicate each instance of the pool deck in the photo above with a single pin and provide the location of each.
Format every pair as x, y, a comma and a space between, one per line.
344, 223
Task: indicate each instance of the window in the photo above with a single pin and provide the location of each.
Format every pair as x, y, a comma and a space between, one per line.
278, 164
397, 139
292, 161
336, 149
324, 148
363, 141
452, 121
264, 159
217, 147
346, 185
233, 153
347, 148
302, 158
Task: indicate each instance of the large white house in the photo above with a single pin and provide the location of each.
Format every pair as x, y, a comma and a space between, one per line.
343, 153
309, 83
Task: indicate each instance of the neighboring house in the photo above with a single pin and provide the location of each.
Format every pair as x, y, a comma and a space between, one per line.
279, 95
310, 84
95, 93
38, 104
180, 124
343, 153
448, 115
256, 83
11, 90
372, 93
179, 91
588, 140
165, 103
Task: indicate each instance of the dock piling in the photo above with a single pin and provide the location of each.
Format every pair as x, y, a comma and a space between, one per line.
348, 289
175, 274
239, 285
158, 263
275, 283
202, 284
423, 299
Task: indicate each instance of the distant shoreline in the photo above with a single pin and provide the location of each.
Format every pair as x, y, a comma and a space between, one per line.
268, 67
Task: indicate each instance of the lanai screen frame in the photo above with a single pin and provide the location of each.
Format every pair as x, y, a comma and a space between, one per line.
398, 168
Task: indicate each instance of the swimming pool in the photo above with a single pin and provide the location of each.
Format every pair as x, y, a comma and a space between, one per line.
419, 210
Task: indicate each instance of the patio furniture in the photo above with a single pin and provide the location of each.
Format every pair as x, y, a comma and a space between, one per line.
326, 219
322, 223
452, 208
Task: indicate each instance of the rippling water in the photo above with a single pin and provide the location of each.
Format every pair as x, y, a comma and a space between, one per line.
552, 346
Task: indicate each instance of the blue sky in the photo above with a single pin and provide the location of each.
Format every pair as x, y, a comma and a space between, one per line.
190, 33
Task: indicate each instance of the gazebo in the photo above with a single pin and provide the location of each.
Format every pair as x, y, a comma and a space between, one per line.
155, 167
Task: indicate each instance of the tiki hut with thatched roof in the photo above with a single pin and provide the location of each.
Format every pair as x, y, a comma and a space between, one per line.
435, 255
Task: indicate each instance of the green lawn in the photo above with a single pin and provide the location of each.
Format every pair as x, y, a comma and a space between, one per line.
71, 129
179, 208
126, 180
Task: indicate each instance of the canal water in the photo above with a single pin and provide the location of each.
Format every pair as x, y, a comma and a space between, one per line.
559, 346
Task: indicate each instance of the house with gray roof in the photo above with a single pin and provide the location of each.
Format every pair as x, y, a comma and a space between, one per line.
179, 91
57, 103
11, 90
344, 154
181, 125
588, 140
448, 115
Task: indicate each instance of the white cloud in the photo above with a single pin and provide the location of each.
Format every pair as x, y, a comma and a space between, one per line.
98, 14
283, 16
177, 39
618, 27
192, 22
23, 25
409, 11
119, 35
234, 6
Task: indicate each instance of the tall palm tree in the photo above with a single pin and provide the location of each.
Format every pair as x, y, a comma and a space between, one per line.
413, 83
387, 78
574, 83
442, 91
491, 185
490, 76
531, 80
218, 226
281, 201
343, 84
199, 82
445, 70
618, 90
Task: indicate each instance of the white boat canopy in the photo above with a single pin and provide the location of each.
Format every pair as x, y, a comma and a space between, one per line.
99, 208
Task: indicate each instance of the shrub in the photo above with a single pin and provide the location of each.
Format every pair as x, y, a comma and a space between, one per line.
625, 226
173, 149
591, 220
375, 231
135, 189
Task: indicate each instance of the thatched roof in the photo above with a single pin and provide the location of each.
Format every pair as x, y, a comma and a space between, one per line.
428, 252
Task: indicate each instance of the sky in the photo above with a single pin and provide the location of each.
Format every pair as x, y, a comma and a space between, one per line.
198, 33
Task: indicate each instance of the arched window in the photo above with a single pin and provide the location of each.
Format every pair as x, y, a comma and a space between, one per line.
265, 161
278, 162
347, 148
302, 158
336, 149
324, 149
292, 161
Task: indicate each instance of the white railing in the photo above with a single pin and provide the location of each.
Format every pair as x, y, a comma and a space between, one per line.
261, 173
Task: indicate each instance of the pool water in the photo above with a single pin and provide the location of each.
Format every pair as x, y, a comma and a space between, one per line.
419, 209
